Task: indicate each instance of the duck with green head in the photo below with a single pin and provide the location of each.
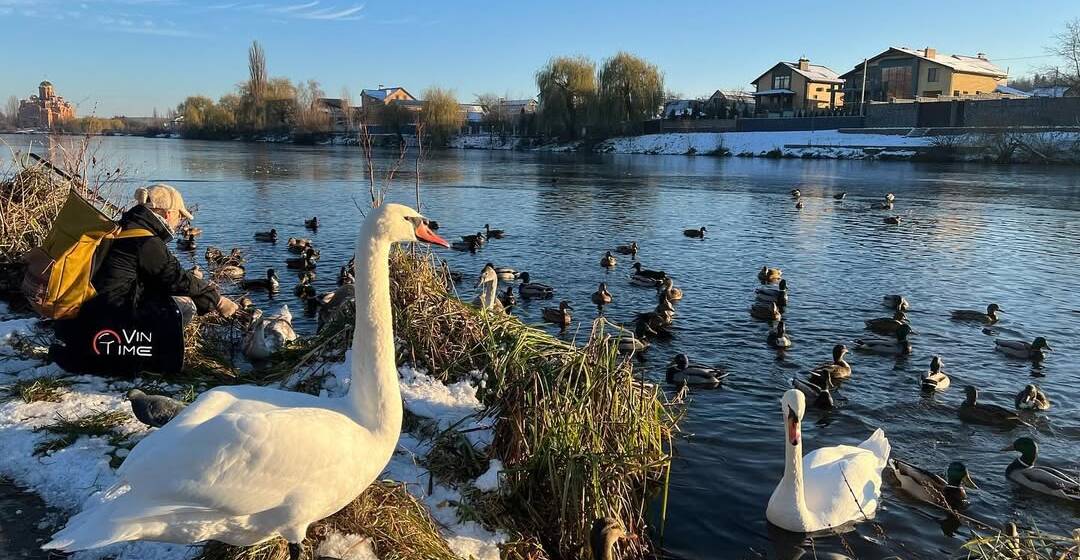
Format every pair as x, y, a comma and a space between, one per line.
923, 485
976, 412
989, 318
1035, 350
899, 347
1046, 480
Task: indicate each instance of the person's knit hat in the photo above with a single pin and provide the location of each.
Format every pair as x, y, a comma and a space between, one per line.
162, 197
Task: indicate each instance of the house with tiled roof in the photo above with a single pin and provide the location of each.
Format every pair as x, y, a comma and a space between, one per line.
798, 86
382, 96
905, 73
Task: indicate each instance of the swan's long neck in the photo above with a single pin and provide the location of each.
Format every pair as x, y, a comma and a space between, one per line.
793, 473
374, 394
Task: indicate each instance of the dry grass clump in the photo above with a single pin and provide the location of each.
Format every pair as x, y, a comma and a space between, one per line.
399, 526
67, 430
1012, 543
579, 437
42, 389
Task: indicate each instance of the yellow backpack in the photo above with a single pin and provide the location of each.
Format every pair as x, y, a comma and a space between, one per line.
57, 279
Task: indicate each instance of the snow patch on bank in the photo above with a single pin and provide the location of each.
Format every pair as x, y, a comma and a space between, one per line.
66, 478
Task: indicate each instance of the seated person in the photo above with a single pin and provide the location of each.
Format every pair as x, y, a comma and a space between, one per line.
144, 298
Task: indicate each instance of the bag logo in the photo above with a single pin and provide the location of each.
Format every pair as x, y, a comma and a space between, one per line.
108, 342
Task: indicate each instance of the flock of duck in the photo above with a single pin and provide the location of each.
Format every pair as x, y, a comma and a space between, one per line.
828, 474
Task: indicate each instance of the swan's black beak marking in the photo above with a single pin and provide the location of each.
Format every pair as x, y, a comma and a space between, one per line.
792, 427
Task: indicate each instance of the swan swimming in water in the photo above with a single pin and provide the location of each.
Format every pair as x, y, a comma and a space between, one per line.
819, 491
245, 464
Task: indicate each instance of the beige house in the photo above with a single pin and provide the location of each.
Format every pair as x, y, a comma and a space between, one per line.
903, 73
383, 96
798, 86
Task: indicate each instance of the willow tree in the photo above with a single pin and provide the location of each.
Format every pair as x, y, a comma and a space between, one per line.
567, 85
441, 114
631, 90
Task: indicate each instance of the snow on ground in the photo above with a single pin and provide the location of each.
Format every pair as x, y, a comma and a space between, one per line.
67, 477
757, 143
346, 547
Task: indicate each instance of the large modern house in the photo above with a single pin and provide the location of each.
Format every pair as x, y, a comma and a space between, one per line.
903, 73
798, 86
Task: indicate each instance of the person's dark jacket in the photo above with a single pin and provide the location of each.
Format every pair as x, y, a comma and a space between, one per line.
141, 269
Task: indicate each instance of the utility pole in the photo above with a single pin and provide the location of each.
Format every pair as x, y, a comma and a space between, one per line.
862, 92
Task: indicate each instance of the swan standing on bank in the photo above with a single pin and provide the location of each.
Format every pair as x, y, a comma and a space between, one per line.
245, 464
819, 491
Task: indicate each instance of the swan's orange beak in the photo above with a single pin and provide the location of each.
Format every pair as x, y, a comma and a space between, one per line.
424, 233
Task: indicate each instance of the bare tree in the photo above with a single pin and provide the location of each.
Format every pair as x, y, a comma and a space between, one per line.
11, 110
347, 110
1067, 46
257, 82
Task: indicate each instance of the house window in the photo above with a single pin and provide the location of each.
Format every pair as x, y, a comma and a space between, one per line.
821, 89
956, 92
781, 82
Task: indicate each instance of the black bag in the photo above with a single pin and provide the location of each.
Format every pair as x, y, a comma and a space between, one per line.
153, 341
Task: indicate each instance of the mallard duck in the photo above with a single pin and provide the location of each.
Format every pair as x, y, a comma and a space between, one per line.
534, 290
197, 272
345, 276
652, 325
505, 273
213, 256
236, 256
840, 195
507, 298
493, 233
657, 275
887, 325
188, 229
900, 346
990, 317
1032, 398
1046, 480
477, 238
186, 243
558, 315
695, 233
765, 310
890, 197
935, 379
928, 487
601, 296
799, 204
631, 249
630, 344
817, 390
796, 193
989, 414
302, 288
778, 336
1034, 350
837, 369
896, 302
608, 260
470, 246
893, 220
298, 244
667, 289
231, 272
778, 294
303, 262
605, 532
313, 223
681, 371
769, 275
270, 236
270, 283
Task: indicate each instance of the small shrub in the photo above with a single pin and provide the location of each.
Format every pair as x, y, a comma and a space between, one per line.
96, 424
42, 389
775, 153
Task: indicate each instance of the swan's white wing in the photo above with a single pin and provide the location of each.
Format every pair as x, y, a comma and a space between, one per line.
834, 477
878, 444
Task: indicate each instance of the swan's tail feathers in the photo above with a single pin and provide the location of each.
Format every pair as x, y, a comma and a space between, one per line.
878, 444
94, 528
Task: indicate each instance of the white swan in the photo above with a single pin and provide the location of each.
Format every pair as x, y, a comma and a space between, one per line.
268, 334
819, 491
245, 464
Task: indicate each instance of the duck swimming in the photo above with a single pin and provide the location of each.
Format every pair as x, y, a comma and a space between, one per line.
765, 310
507, 299
928, 487
631, 249
989, 318
601, 297
230, 272
769, 275
470, 246
312, 224
269, 236
893, 220
778, 294
987, 414
681, 371
1035, 350
506, 274
887, 325
837, 369
695, 233
796, 193
1032, 398
298, 245
657, 275
896, 302
778, 336
817, 390
840, 196
560, 316
534, 290
1046, 480
186, 243
493, 233
608, 260
304, 262
477, 238
270, 283
667, 290
935, 379
900, 346
799, 204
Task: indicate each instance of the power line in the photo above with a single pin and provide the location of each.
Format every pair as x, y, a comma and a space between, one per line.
1027, 57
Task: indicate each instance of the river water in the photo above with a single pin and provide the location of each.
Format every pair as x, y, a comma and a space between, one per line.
970, 235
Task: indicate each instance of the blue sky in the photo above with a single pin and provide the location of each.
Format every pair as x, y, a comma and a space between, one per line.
130, 56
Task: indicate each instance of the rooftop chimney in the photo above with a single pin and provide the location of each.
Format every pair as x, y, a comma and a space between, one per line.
381, 86
981, 56
804, 63
930, 53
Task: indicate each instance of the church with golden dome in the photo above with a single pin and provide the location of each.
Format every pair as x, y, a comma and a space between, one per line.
44, 110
